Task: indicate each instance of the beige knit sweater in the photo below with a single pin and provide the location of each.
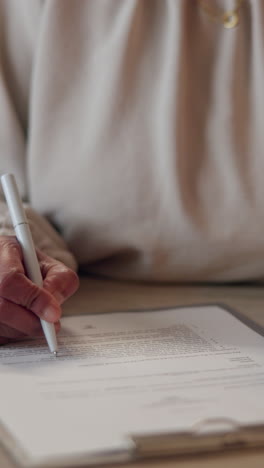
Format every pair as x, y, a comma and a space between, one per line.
136, 127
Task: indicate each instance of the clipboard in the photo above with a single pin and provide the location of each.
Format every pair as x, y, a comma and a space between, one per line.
209, 436
206, 436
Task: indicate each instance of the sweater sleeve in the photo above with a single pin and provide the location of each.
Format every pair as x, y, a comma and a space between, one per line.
20, 23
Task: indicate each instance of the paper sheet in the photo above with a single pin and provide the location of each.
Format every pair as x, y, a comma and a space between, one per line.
128, 373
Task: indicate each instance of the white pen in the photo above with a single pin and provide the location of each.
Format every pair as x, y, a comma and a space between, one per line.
24, 237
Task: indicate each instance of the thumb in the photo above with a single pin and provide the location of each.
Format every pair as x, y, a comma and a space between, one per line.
17, 288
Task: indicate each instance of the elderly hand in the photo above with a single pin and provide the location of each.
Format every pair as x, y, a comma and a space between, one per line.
22, 303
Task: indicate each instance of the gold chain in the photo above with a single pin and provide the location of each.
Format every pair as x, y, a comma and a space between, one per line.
229, 19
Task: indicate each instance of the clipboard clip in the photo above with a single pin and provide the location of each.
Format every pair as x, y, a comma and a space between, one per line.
209, 435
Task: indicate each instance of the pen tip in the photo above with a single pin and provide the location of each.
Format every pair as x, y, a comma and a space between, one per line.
55, 353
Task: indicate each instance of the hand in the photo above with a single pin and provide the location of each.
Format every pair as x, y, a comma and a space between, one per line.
22, 303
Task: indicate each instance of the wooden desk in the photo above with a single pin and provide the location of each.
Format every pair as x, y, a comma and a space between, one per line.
97, 295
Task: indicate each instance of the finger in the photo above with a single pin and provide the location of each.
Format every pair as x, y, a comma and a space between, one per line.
10, 255
6, 341
58, 279
57, 326
8, 334
18, 318
17, 288
3, 341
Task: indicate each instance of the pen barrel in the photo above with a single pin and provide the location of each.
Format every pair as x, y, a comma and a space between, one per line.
50, 335
13, 199
25, 240
33, 272
24, 237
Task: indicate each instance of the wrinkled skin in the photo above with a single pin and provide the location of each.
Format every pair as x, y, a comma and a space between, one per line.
22, 303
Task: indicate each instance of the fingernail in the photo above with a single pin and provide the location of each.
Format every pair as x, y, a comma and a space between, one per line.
59, 297
50, 313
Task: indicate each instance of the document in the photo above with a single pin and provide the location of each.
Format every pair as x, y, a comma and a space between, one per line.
126, 374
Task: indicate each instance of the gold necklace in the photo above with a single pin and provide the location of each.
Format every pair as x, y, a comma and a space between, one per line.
229, 19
